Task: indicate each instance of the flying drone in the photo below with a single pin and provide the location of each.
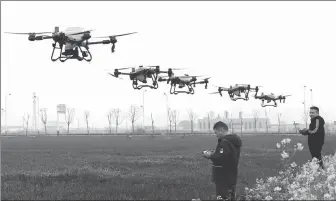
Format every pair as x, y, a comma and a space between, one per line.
71, 42
235, 92
142, 73
271, 97
182, 81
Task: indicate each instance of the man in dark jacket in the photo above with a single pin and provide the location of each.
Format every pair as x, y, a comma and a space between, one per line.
225, 162
315, 134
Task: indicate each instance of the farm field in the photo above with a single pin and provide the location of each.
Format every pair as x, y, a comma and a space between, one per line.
141, 168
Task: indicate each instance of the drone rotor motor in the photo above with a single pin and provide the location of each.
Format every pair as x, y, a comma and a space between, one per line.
31, 37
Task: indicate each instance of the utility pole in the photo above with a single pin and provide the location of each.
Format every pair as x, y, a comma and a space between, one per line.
311, 97
241, 122
167, 112
143, 109
304, 106
38, 115
8, 94
34, 112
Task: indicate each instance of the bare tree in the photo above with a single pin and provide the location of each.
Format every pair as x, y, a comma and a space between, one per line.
175, 115
43, 114
133, 115
86, 118
170, 118
69, 117
26, 119
116, 117
279, 118
305, 118
266, 120
295, 126
109, 118
211, 117
152, 125
192, 118
255, 118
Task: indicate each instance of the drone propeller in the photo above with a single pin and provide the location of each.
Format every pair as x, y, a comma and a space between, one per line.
32, 33
285, 95
115, 76
113, 39
122, 68
113, 36
82, 32
214, 92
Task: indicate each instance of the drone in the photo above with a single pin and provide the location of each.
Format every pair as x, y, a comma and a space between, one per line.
182, 81
271, 97
72, 41
142, 73
236, 90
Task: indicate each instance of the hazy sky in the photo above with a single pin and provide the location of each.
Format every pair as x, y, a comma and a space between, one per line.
279, 45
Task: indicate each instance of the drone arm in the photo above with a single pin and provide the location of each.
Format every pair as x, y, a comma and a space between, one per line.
99, 42
124, 73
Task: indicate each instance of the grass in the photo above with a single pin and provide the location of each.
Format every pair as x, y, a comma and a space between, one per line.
113, 167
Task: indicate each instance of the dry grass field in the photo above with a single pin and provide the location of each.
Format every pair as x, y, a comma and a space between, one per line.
113, 167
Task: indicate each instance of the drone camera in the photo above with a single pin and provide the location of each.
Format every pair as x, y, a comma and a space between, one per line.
56, 29
157, 68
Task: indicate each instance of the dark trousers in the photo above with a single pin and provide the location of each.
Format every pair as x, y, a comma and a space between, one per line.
225, 180
224, 191
315, 148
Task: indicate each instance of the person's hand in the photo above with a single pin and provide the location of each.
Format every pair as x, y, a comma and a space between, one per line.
207, 154
304, 131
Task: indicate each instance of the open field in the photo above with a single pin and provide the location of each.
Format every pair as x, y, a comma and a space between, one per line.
113, 167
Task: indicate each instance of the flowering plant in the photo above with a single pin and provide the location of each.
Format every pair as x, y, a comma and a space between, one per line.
309, 182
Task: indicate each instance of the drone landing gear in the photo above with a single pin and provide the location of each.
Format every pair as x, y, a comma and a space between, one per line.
190, 88
263, 105
154, 86
71, 53
232, 96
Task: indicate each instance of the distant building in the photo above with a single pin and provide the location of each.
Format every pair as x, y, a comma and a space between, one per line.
235, 124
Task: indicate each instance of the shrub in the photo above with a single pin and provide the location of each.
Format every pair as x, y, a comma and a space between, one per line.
307, 182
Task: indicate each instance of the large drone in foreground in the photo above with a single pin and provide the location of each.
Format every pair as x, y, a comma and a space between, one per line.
73, 43
184, 81
142, 73
271, 97
235, 92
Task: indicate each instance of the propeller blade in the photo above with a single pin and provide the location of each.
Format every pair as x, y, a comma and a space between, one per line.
123, 68
115, 76
33, 33
114, 35
207, 78
82, 32
124, 34
178, 68
214, 92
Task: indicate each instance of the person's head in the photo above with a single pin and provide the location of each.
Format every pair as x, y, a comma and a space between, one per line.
220, 129
314, 111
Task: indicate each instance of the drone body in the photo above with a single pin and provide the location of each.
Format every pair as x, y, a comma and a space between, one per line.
141, 74
184, 81
271, 97
235, 92
73, 43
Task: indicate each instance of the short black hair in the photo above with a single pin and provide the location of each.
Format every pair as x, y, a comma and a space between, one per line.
315, 108
221, 124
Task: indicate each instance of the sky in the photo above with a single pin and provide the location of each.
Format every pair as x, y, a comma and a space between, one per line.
282, 46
